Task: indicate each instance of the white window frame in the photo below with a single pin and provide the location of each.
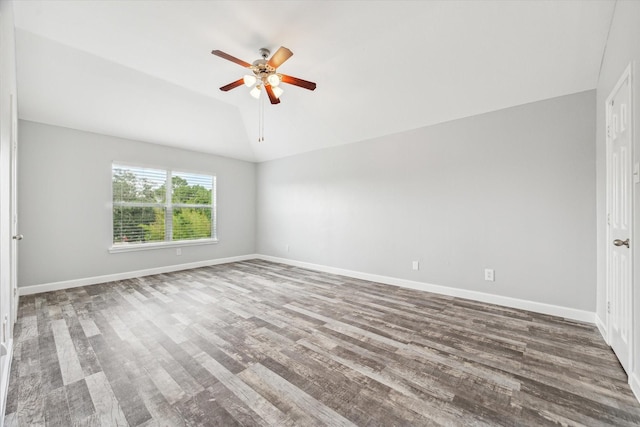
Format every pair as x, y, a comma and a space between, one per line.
168, 206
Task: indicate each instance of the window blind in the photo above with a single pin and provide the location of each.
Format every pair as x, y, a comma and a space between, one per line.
155, 205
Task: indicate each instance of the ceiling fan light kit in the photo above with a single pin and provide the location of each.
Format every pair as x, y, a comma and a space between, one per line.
249, 80
277, 91
274, 79
255, 92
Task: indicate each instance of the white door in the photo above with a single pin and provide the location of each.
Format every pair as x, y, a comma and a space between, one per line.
620, 217
14, 214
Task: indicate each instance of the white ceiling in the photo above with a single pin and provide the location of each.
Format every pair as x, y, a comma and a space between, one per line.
143, 69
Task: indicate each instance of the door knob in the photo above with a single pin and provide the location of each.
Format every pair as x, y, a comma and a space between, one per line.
18, 237
619, 242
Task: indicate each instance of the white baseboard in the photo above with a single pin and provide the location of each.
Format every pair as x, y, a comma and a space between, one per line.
602, 328
4, 381
634, 383
538, 307
66, 284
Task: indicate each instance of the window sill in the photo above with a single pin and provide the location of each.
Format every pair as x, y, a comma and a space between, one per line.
160, 245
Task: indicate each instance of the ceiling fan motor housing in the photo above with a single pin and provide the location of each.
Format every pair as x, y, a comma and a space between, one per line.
262, 69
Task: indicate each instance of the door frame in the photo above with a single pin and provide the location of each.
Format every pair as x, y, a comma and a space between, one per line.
627, 74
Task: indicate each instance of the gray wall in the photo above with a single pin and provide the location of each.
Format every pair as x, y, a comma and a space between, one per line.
623, 46
64, 201
512, 190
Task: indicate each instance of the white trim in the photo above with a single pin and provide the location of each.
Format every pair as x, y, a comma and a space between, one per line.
74, 283
634, 383
538, 307
602, 328
4, 381
160, 245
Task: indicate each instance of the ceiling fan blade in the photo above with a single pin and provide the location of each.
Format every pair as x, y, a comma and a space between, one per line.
298, 82
232, 85
228, 57
272, 96
278, 58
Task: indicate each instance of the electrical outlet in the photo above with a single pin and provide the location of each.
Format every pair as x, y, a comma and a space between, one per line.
489, 274
415, 265
178, 251
287, 248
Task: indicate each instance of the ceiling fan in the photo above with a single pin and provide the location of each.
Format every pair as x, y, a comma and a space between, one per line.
265, 74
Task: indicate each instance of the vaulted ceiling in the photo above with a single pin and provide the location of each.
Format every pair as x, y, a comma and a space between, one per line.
144, 70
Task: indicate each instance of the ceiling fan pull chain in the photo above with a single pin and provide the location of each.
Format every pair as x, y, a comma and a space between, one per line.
261, 119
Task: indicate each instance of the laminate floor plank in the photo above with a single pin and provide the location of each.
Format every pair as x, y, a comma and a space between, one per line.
30, 410
107, 407
242, 413
202, 409
67, 356
79, 401
56, 412
256, 343
84, 351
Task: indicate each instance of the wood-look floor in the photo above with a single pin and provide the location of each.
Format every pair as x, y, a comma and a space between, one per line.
258, 343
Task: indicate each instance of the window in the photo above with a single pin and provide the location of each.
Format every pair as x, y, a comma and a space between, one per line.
153, 207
